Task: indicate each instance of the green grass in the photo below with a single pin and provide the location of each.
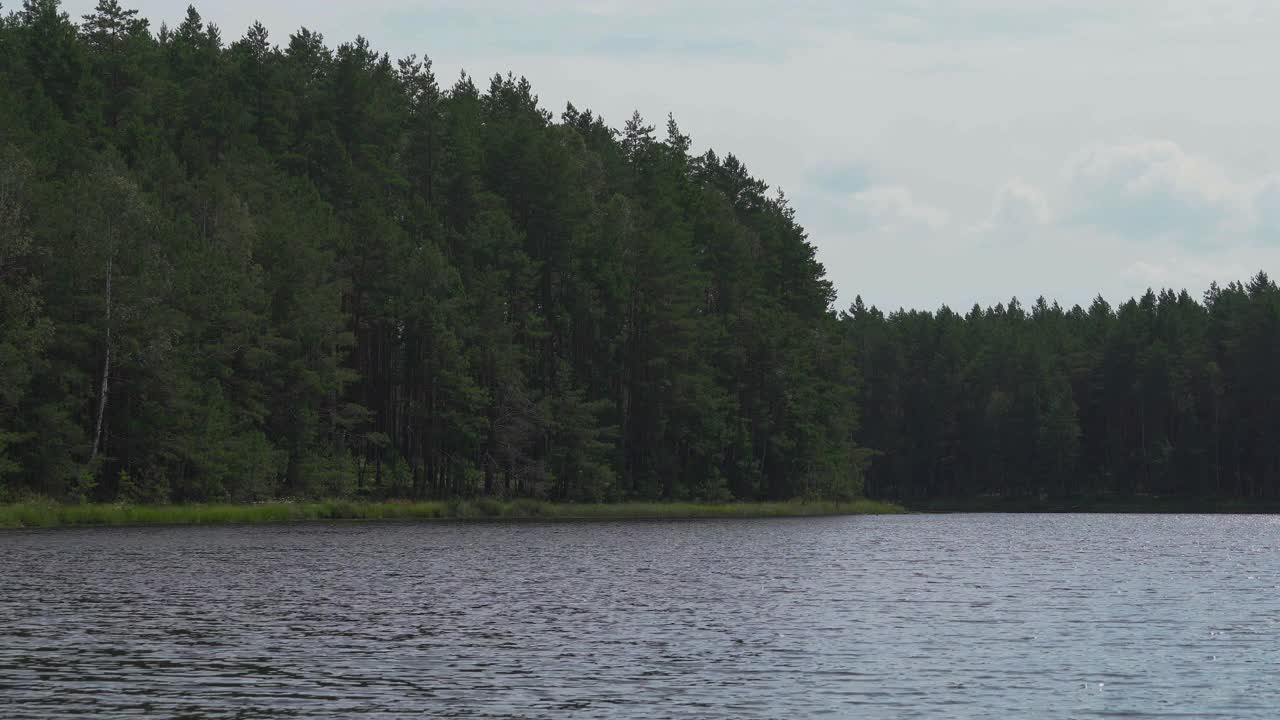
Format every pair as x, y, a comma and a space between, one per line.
49, 515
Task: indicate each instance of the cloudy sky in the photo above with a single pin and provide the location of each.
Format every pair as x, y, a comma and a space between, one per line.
945, 151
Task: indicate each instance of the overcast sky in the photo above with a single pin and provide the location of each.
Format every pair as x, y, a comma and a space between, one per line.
953, 151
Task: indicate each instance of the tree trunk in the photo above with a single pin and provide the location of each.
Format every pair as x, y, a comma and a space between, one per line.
106, 377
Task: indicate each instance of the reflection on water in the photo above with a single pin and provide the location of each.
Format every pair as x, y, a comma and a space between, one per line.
962, 616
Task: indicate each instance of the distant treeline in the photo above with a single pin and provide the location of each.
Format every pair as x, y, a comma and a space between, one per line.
242, 271
1163, 395
238, 271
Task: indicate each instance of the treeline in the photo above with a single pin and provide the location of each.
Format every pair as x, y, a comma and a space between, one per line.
242, 270
1163, 395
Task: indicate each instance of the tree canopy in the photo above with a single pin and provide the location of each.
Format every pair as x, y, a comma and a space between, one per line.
237, 270
247, 270
1163, 395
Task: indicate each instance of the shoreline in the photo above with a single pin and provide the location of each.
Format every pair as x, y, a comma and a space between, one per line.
51, 515
1096, 505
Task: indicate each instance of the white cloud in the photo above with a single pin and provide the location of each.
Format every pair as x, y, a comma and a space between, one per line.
1156, 188
1019, 213
892, 208
1266, 210
1154, 166
1019, 204
1179, 269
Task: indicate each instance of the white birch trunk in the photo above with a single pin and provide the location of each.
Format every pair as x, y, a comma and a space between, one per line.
106, 376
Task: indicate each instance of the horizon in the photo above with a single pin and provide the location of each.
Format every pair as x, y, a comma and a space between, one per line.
1002, 142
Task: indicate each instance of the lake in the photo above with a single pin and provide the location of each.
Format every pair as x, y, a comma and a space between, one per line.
955, 616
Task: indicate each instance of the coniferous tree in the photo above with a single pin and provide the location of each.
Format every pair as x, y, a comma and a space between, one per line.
235, 270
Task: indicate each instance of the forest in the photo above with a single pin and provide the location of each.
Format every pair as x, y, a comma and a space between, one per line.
1164, 395
236, 271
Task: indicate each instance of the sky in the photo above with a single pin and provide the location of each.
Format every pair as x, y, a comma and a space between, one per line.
937, 151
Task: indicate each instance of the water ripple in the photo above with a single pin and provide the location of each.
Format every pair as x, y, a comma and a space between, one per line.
900, 617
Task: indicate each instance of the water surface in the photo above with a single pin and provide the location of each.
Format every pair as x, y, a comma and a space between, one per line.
960, 616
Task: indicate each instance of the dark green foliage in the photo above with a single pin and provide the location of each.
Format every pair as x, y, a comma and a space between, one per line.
24, 330
1162, 396
238, 271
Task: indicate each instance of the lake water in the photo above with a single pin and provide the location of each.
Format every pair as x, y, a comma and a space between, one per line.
960, 616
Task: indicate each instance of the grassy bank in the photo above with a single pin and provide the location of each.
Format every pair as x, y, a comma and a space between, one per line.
46, 515
1136, 504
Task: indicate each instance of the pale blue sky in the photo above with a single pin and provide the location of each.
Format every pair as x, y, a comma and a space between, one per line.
953, 151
